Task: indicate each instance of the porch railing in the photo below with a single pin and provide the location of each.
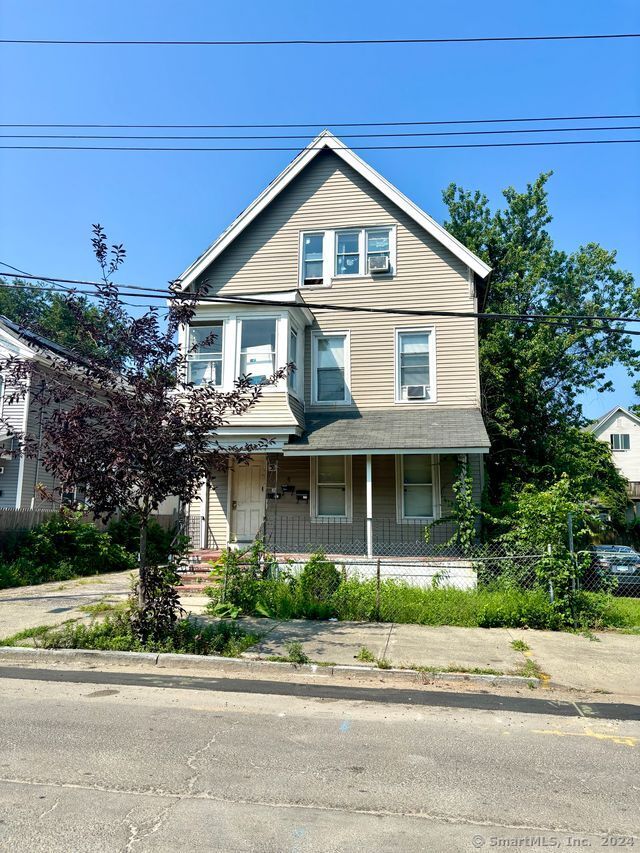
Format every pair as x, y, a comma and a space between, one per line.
299, 535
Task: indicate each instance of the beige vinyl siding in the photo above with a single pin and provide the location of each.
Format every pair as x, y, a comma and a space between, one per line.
218, 527
329, 194
297, 409
271, 410
288, 520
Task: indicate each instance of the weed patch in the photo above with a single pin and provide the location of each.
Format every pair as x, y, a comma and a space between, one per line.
115, 633
365, 655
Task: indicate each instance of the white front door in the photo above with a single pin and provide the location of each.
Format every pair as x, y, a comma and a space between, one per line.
248, 500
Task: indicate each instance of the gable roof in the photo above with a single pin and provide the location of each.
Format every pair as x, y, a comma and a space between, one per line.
326, 141
609, 415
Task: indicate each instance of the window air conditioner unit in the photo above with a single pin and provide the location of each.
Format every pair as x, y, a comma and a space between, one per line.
415, 392
379, 263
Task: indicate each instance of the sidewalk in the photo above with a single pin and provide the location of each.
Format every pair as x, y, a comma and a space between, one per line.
606, 662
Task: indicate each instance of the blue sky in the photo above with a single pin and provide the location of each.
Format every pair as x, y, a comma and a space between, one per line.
167, 207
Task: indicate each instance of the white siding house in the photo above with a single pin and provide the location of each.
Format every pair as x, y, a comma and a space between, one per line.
620, 429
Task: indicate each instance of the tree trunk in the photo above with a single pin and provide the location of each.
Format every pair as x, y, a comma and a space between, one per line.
143, 597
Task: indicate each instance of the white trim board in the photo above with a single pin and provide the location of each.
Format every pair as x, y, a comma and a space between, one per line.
327, 141
385, 451
604, 420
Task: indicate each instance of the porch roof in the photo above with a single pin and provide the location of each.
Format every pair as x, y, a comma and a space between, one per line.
428, 430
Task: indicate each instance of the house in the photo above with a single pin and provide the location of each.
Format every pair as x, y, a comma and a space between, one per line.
620, 429
21, 476
333, 269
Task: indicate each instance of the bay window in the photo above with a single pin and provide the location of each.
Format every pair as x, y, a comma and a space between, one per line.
204, 355
292, 358
330, 368
258, 349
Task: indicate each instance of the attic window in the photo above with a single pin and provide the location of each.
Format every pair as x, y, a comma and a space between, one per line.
312, 259
620, 441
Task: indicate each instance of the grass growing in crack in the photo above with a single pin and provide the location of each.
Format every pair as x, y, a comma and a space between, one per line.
295, 654
365, 655
34, 634
520, 646
102, 607
530, 669
462, 670
383, 663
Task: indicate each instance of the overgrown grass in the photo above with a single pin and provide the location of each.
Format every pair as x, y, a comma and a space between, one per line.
115, 634
508, 607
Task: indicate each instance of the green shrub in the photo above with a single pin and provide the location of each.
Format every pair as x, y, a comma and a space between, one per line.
60, 548
161, 543
319, 578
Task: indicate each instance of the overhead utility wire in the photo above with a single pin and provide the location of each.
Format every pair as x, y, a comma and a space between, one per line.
331, 123
293, 42
320, 148
247, 300
419, 133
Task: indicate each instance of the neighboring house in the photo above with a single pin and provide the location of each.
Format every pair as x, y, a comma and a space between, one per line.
20, 476
620, 429
383, 410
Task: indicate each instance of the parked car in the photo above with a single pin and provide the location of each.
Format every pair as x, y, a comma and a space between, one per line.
619, 563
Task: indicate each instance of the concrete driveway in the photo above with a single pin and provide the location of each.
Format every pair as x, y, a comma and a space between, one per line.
53, 603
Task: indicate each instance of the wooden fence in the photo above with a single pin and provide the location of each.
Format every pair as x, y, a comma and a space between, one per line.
25, 519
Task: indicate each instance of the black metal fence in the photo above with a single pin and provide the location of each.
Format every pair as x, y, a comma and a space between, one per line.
297, 534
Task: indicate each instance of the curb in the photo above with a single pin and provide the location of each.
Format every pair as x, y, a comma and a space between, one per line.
209, 663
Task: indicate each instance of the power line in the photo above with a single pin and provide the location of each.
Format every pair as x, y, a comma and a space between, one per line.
319, 42
519, 130
331, 123
556, 319
283, 148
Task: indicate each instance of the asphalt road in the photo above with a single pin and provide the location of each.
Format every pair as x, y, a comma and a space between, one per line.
91, 766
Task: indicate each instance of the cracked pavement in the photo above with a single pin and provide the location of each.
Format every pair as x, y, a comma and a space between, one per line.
160, 769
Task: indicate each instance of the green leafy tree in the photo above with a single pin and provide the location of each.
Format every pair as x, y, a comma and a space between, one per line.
63, 318
533, 374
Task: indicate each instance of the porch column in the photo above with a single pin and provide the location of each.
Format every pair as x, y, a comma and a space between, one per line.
204, 513
369, 508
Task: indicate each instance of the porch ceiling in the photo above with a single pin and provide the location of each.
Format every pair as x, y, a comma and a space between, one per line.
437, 430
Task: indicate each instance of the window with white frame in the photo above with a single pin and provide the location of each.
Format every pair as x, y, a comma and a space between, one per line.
414, 366
258, 349
345, 252
331, 368
204, 355
417, 492
378, 250
620, 441
292, 358
363, 251
348, 252
332, 487
313, 258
